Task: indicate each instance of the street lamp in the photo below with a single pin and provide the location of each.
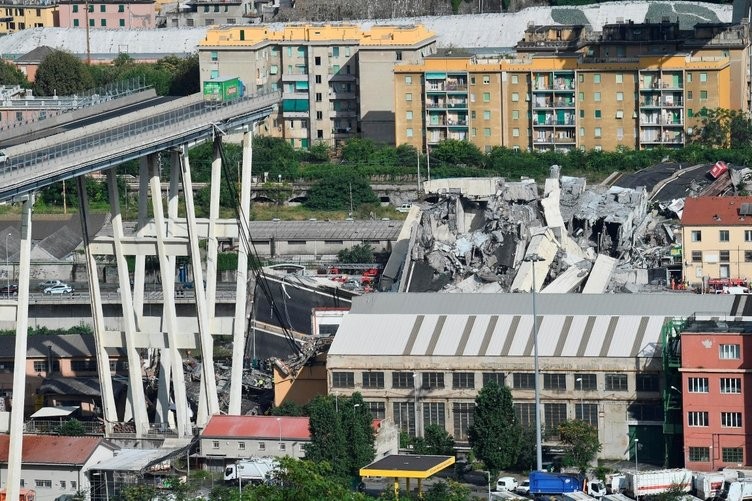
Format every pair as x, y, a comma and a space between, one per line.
535, 258
636, 475
582, 406
279, 423
488, 474
7, 263
415, 391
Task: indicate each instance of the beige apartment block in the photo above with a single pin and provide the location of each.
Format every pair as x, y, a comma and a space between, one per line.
717, 238
337, 82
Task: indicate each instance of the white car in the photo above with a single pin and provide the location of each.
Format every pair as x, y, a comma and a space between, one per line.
506, 484
523, 488
59, 289
51, 283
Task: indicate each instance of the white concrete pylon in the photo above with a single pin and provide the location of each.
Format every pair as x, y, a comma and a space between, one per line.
109, 411
139, 270
15, 447
135, 378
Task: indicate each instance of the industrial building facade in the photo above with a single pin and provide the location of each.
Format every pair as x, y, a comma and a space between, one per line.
421, 359
336, 81
632, 85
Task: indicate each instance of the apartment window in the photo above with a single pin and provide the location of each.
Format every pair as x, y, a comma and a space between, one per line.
319, 115
699, 454
47, 484
83, 365
409, 132
402, 380
689, 77
697, 418
373, 380
472, 80
515, 97
723, 235
525, 414
585, 382
581, 78
121, 22
731, 385
497, 377
343, 379
486, 97
582, 131
596, 78
398, 55
103, 8
486, 79
515, 114
215, 444
40, 366
486, 132
434, 413
647, 382
582, 98
75, 23
7, 366
317, 60
554, 415
318, 97
515, 132
696, 236
486, 115
377, 409
463, 418
619, 78
597, 132
689, 95
724, 256
697, 385
404, 417
555, 381
596, 97
697, 256
274, 72
282, 446
262, 446
241, 446
731, 419
473, 132
703, 77
433, 380
75, 8
703, 95
729, 352
616, 382
587, 413
408, 96
409, 115
523, 380
515, 79
91, 21
121, 8
732, 455
347, 51
463, 380
748, 256
597, 114
645, 412
620, 96
63, 484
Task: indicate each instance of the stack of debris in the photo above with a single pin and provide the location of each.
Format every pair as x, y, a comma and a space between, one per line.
476, 237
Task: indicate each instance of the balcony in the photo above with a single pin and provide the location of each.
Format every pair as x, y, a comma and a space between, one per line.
436, 105
295, 77
457, 105
552, 122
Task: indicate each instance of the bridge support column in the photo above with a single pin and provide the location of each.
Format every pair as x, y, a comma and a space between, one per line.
241, 288
167, 274
135, 380
15, 447
208, 383
139, 272
109, 411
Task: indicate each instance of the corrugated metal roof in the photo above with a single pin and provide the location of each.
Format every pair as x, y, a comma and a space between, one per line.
52, 449
137, 460
48, 412
570, 325
268, 427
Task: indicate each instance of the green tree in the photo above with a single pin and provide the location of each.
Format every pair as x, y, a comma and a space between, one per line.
340, 190
723, 128
72, 428
63, 74
456, 152
447, 491
357, 423
319, 152
358, 150
438, 441
494, 434
359, 253
289, 408
11, 75
581, 441
527, 455
328, 439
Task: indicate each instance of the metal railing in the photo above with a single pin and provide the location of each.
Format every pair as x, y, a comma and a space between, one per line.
51, 426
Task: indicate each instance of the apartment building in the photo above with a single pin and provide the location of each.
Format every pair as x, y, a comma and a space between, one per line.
17, 16
717, 238
716, 377
631, 85
134, 14
336, 81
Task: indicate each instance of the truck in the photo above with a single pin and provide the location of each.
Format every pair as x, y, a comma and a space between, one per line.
24, 495
253, 471
708, 485
738, 490
222, 90
552, 484
650, 483
616, 483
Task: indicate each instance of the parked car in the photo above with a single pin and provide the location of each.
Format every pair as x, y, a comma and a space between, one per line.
9, 290
523, 488
506, 484
404, 208
51, 283
59, 289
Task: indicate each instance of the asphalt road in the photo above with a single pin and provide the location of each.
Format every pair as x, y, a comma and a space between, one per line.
679, 187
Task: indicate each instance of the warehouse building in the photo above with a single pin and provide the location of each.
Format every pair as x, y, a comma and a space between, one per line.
421, 359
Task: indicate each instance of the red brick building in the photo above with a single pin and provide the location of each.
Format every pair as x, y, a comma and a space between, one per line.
716, 359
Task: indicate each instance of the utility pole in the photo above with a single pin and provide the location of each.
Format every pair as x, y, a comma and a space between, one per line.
88, 43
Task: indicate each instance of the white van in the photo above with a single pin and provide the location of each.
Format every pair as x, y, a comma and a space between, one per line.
506, 484
404, 208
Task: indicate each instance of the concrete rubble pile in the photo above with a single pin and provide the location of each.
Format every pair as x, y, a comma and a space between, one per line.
476, 236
